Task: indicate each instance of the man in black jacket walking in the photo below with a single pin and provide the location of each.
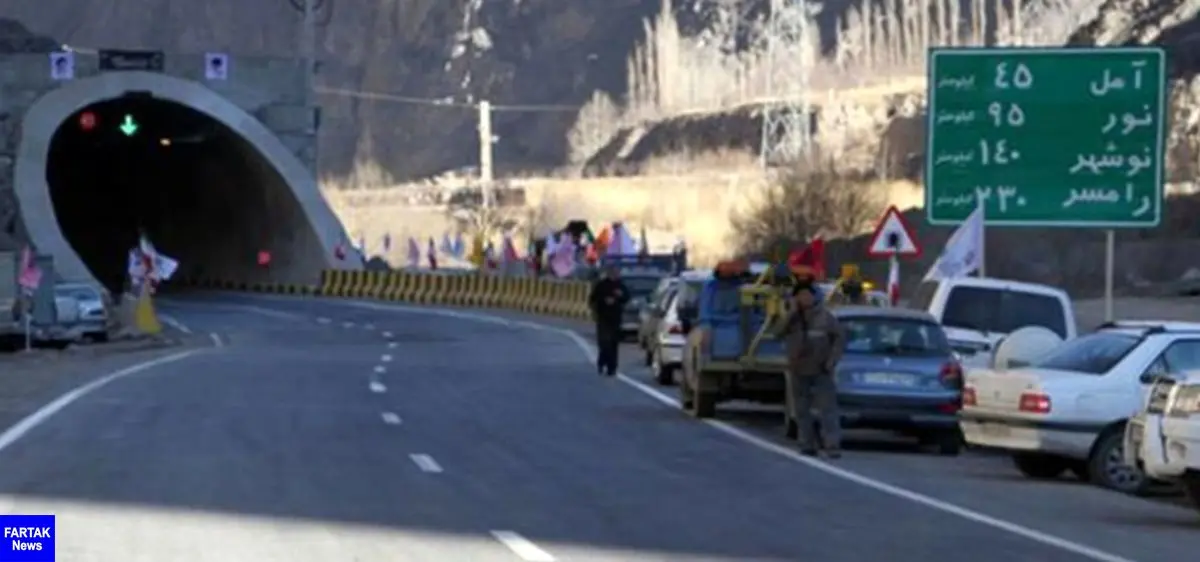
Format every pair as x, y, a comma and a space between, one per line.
608, 299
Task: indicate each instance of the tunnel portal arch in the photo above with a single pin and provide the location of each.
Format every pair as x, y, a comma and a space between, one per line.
50, 112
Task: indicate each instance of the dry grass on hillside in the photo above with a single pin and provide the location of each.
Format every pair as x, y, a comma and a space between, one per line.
690, 196
877, 47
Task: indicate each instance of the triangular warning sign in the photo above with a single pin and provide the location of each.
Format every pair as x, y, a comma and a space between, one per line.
893, 237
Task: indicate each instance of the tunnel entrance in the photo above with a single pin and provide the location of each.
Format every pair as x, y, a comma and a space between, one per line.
200, 192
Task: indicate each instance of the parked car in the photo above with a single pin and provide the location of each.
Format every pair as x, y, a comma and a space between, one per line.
898, 373
664, 346
1068, 410
651, 313
1163, 439
83, 312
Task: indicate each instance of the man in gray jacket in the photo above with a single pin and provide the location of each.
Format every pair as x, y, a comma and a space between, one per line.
814, 343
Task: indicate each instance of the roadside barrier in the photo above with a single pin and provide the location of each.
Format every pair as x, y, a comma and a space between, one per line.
550, 297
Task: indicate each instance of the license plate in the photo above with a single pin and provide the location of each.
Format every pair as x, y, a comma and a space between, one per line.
888, 379
994, 430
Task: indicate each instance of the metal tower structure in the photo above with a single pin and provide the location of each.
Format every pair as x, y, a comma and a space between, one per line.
791, 44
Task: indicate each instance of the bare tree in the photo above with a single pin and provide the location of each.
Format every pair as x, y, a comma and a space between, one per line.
466, 207
595, 125
806, 202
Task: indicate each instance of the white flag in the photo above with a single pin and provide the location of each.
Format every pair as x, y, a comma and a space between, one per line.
963, 253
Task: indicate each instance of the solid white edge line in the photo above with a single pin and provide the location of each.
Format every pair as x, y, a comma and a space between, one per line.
390, 418
732, 431
37, 418
425, 463
522, 547
172, 322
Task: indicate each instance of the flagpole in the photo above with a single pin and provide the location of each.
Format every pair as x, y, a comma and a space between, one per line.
981, 202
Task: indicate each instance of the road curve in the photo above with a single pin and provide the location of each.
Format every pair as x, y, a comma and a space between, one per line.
320, 431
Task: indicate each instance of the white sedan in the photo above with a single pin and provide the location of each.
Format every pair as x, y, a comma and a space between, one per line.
1068, 410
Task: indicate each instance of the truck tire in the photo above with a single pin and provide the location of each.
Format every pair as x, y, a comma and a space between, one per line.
1191, 487
1039, 466
704, 404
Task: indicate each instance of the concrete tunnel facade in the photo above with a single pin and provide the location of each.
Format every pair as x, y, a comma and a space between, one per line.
274, 205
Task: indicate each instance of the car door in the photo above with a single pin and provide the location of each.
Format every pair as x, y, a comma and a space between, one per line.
652, 313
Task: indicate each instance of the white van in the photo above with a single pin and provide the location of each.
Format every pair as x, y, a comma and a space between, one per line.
978, 312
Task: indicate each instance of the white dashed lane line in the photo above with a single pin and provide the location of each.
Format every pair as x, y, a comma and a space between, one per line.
391, 345
385, 358
324, 320
522, 547
347, 324
426, 463
377, 387
380, 369
387, 335
369, 327
390, 418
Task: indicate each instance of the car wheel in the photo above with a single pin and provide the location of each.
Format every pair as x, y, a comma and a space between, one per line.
663, 375
1107, 467
1039, 466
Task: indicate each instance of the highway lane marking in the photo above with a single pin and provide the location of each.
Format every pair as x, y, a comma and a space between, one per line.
39, 417
172, 322
377, 387
762, 444
380, 369
323, 320
390, 418
391, 345
385, 358
369, 327
347, 324
426, 463
216, 339
388, 335
522, 547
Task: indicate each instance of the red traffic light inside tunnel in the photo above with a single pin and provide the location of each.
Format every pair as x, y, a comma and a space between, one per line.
87, 121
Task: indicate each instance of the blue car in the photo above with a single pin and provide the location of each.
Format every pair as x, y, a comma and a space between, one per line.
900, 374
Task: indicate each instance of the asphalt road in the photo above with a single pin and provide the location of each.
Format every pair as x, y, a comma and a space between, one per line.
329, 431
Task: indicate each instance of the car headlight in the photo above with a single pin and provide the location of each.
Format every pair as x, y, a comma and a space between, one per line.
1187, 401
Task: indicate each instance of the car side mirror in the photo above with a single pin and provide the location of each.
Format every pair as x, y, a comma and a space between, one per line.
1151, 378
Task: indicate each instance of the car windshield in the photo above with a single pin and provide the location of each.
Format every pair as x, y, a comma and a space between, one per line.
1001, 311
1094, 354
641, 286
894, 336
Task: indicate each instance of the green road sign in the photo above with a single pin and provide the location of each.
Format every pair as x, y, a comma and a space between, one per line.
1048, 137
129, 126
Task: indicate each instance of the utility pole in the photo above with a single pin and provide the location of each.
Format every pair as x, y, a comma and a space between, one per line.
308, 46
485, 152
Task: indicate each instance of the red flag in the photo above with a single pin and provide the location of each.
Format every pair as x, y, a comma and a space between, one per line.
809, 259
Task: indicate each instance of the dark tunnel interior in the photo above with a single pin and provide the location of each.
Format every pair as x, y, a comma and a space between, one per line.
202, 194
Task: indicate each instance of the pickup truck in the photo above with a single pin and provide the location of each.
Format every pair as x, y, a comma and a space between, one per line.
730, 356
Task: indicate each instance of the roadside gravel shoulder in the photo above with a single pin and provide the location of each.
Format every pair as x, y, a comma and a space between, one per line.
30, 380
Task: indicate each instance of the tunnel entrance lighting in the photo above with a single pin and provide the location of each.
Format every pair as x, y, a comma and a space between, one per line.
211, 203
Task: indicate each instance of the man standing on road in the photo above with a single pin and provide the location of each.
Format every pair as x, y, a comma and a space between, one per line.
608, 299
814, 343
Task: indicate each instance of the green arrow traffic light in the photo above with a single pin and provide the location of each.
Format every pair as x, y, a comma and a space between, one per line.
129, 126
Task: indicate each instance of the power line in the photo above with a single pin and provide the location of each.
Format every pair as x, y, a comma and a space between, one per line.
448, 102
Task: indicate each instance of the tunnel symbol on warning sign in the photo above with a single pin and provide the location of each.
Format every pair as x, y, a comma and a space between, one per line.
216, 66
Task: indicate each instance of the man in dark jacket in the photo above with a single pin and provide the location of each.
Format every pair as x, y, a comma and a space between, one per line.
608, 299
814, 342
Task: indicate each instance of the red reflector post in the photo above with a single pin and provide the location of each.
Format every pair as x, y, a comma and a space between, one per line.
264, 258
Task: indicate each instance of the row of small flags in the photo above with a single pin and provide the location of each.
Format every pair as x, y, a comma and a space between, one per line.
561, 252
